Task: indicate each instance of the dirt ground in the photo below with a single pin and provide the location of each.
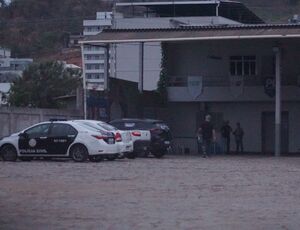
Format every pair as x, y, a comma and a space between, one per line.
172, 193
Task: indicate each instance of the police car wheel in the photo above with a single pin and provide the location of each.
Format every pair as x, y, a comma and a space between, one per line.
9, 153
79, 153
95, 158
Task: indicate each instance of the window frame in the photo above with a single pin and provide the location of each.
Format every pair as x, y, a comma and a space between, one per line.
243, 65
34, 135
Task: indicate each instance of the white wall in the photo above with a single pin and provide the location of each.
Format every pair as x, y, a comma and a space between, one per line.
127, 63
210, 59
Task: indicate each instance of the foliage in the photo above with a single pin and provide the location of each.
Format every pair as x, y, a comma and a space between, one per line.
35, 28
42, 83
163, 78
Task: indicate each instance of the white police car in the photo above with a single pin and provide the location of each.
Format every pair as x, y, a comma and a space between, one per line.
59, 139
123, 138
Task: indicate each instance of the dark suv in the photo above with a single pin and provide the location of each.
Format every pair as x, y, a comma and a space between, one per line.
158, 142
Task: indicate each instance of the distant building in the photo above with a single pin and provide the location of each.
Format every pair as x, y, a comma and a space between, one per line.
94, 57
10, 70
74, 40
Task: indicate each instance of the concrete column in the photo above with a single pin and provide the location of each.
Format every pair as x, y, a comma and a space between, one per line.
83, 83
107, 69
141, 67
277, 52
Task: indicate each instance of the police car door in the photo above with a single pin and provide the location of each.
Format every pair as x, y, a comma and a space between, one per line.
34, 141
61, 137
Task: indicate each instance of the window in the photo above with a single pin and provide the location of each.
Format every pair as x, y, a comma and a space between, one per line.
38, 131
94, 66
95, 76
243, 65
60, 130
107, 127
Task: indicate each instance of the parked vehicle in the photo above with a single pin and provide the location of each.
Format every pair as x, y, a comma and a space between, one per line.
59, 139
149, 136
123, 138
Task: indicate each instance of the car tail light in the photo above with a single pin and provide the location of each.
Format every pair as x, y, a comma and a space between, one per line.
118, 137
136, 133
98, 137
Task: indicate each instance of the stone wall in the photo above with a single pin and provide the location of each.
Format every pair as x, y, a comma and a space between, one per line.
16, 119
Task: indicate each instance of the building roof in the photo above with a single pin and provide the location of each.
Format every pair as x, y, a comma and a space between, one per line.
189, 33
233, 10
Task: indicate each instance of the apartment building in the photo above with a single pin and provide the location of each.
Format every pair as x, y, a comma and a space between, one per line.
94, 57
10, 69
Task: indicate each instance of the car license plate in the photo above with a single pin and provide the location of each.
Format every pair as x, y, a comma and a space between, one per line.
167, 142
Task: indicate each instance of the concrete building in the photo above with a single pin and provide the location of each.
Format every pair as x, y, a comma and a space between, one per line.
94, 57
10, 69
124, 58
245, 73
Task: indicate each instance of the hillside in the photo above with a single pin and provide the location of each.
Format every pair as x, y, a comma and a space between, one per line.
40, 29
274, 11
37, 28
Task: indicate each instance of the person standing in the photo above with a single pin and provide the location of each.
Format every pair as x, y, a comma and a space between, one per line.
208, 135
239, 135
226, 132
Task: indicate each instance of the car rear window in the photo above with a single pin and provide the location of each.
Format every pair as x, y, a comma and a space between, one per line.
107, 127
88, 126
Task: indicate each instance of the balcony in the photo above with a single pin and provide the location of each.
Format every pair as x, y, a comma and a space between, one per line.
220, 89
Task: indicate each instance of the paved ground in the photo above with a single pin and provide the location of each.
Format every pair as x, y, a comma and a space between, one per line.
172, 193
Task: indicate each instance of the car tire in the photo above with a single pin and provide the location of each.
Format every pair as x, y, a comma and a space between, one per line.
9, 153
95, 158
79, 153
131, 155
159, 153
111, 157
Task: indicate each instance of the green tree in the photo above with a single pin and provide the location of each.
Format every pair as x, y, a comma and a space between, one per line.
42, 83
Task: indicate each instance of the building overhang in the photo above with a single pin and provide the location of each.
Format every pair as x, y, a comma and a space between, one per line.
233, 10
196, 33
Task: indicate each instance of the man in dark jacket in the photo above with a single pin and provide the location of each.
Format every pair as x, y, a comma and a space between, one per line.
225, 132
208, 135
239, 135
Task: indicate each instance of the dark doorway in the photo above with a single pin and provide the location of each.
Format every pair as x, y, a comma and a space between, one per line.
268, 132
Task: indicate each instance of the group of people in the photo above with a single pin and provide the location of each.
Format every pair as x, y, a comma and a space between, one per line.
206, 137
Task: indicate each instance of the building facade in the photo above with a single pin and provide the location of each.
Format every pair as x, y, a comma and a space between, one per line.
94, 57
10, 70
124, 58
240, 72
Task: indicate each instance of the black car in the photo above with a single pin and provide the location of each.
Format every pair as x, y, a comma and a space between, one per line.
158, 140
